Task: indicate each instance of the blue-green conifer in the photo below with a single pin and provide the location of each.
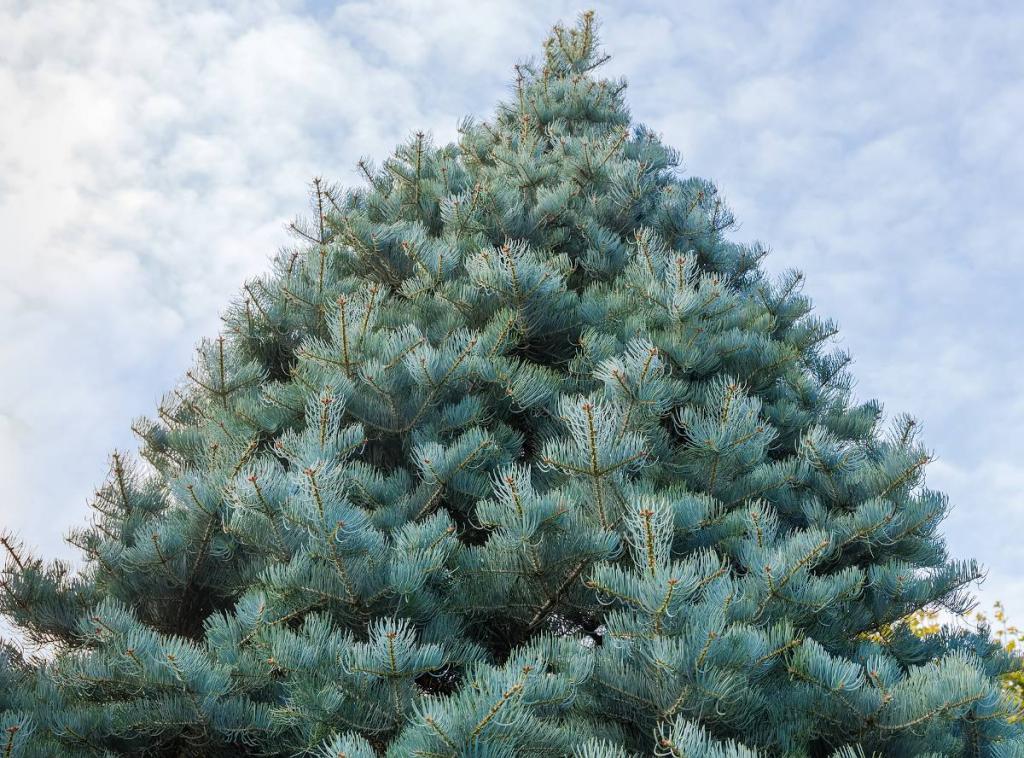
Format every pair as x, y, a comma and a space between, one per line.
514, 453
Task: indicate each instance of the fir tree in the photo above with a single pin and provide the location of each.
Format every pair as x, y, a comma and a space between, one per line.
515, 453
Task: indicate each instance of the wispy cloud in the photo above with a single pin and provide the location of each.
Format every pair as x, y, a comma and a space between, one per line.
150, 155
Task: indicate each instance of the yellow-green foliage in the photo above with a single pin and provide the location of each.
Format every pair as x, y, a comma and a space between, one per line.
1013, 640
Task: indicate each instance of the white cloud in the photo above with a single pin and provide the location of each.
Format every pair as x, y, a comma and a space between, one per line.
151, 153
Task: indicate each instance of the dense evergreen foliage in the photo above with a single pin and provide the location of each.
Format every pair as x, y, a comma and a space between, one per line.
515, 453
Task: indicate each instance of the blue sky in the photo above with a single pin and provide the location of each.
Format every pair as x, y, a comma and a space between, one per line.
151, 154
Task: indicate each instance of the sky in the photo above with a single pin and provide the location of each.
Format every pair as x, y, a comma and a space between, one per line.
151, 155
